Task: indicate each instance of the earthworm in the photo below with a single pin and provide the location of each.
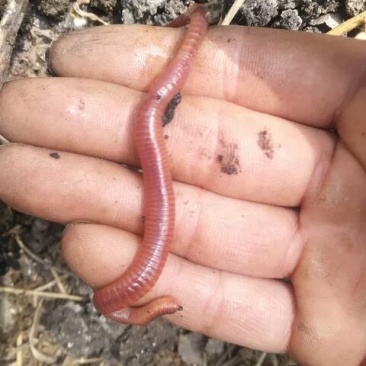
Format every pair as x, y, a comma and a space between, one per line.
116, 299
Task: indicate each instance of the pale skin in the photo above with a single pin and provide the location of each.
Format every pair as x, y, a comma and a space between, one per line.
265, 189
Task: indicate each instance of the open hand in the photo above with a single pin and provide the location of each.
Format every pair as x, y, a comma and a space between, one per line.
268, 154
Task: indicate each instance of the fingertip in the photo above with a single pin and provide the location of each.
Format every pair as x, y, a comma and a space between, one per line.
69, 54
72, 229
98, 254
6, 97
53, 54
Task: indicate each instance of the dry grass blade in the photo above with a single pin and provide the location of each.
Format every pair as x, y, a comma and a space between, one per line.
58, 281
274, 359
3, 140
19, 357
24, 247
50, 284
38, 295
72, 361
41, 357
349, 25
85, 14
9, 26
16, 231
261, 359
50, 295
232, 12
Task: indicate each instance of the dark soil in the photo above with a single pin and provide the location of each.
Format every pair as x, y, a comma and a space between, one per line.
69, 331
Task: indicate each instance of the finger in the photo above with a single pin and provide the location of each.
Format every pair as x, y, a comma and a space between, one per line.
247, 311
330, 278
75, 187
213, 144
68, 114
298, 76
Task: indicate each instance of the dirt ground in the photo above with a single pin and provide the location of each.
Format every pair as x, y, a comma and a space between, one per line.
64, 329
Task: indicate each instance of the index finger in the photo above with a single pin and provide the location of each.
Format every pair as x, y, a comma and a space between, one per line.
298, 76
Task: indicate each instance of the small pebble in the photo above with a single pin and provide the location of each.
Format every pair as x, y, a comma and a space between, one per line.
333, 21
214, 347
190, 348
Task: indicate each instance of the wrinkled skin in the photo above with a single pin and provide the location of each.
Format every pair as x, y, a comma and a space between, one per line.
268, 154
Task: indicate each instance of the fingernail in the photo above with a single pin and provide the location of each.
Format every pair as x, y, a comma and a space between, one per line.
68, 226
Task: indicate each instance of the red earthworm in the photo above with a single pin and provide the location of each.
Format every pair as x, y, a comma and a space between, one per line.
116, 300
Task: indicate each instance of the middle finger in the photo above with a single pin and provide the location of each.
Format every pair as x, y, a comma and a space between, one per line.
213, 144
211, 229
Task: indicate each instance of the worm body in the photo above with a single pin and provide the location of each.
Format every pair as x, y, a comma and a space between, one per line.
116, 299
